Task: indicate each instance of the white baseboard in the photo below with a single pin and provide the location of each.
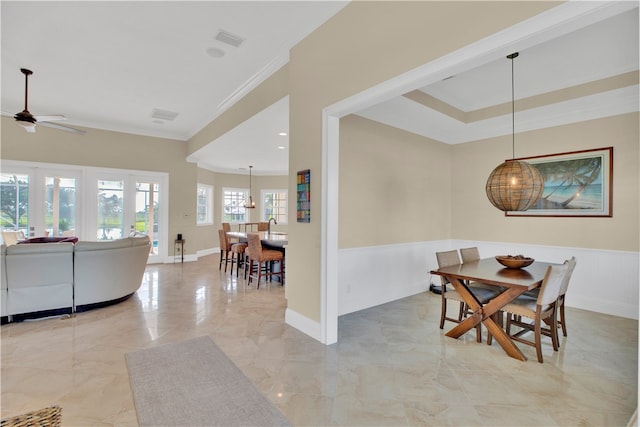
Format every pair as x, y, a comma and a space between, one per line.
303, 324
205, 252
177, 259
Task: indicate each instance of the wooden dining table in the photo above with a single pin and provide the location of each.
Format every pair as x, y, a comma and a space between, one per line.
273, 239
488, 270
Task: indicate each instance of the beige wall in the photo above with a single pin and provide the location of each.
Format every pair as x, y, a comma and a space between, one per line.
100, 148
207, 236
474, 218
395, 186
365, 44
409, 187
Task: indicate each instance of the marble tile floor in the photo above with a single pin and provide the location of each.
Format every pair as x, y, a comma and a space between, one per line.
392, 365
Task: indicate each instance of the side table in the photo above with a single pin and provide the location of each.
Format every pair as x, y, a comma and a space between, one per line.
178, 247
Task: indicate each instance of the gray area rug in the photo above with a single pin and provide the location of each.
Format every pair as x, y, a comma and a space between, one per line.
193, 383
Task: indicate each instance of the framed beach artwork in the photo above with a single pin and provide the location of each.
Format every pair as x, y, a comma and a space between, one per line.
578, 183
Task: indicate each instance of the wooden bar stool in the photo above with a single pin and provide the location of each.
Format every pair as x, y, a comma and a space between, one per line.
258, 254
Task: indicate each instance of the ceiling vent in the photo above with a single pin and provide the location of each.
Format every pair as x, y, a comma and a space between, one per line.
163, 114
229, 38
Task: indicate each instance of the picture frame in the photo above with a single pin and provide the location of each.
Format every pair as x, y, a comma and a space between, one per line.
303, 196
576, 184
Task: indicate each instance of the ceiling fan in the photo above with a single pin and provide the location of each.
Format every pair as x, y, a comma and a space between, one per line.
28, 120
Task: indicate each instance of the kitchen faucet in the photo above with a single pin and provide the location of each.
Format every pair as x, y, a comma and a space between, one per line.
269, 225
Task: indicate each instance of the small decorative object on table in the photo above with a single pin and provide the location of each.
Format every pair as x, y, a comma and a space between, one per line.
514, 261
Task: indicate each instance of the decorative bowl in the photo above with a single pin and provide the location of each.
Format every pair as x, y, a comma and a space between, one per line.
514, 261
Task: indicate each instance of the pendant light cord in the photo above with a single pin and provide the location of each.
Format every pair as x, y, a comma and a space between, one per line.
513, 108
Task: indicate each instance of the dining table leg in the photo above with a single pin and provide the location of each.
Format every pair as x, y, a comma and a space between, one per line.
472, 319
485, 314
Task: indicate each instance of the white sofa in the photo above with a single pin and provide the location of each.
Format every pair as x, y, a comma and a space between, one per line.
98, 281
44, 277
39, 277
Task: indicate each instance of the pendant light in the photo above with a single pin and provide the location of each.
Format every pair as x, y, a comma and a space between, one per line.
250, 204
514, 185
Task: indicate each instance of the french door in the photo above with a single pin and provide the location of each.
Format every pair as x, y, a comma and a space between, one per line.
127, 204
89, 203
41, 201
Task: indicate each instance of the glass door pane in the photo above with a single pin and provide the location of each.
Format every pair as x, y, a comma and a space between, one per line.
14, 202
60, 206
110, 209
147, 211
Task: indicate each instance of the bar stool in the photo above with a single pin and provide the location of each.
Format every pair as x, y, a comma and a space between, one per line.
238, 256
257, 253
225, 250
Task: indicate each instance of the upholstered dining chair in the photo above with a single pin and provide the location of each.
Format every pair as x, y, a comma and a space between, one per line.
563, 291
470, 254
542, 309
446, 259
264, 259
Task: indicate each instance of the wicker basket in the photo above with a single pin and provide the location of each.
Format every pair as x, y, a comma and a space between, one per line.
45, 417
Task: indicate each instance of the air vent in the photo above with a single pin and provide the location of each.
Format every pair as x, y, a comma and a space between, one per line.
228, 38
163, 114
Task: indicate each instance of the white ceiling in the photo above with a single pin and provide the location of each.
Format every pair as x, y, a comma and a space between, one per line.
107, 65
603, 49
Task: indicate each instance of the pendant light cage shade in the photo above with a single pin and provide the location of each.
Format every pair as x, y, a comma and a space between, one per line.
514, 186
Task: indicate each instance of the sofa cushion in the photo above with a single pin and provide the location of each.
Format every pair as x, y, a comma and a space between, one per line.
103, 245
40, 248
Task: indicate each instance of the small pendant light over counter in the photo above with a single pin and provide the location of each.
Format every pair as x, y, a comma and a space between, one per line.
514, 185
250, 204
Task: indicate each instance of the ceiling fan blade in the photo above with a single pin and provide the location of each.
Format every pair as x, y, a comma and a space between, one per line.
5, 114
62, 127
49, 118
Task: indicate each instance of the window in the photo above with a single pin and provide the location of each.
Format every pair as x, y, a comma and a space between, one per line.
204, 208
14, 200
60, 205
110, 210
274, 205
233, 200
40, 199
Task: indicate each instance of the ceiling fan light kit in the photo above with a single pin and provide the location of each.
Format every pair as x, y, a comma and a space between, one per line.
514, 185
